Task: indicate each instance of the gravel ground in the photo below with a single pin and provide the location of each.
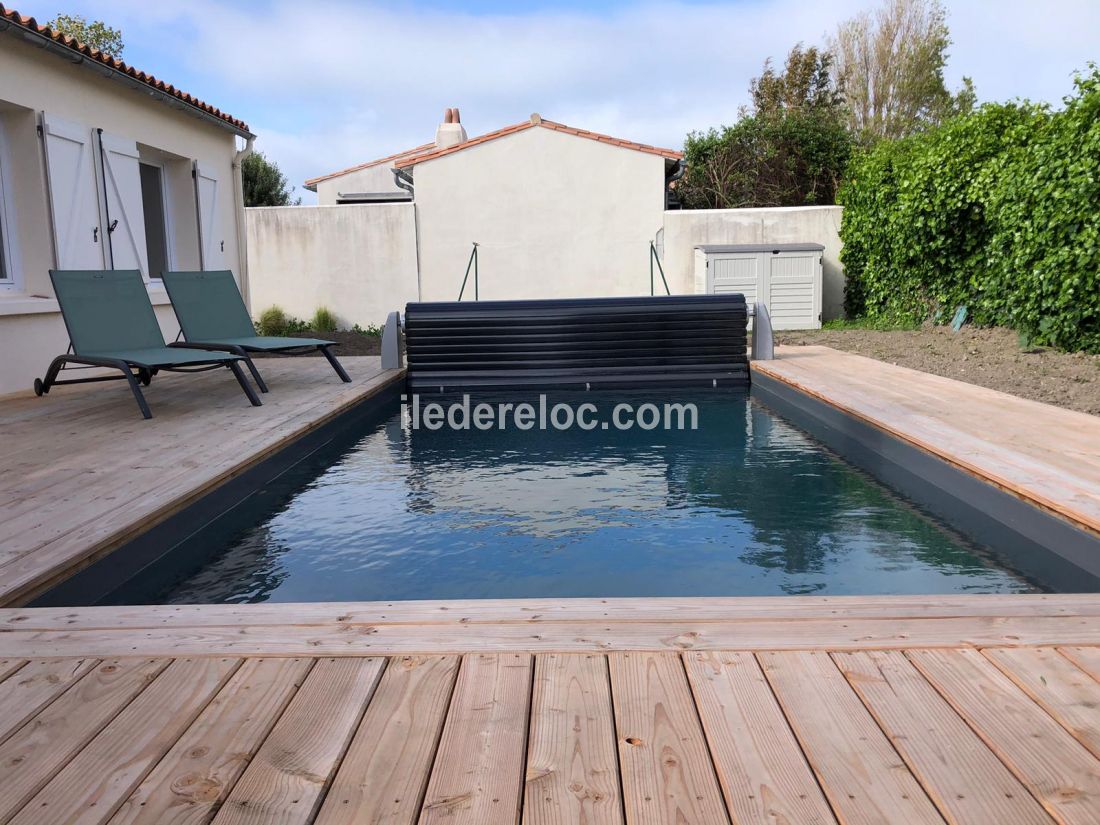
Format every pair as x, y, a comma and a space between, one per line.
986, 357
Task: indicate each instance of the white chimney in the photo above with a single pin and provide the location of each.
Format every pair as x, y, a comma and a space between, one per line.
450, 131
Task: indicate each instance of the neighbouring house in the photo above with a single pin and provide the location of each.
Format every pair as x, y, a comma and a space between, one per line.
102, 166
556, 212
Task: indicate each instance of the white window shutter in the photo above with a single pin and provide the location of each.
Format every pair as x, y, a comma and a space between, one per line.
211, 233
74, 206
125, 216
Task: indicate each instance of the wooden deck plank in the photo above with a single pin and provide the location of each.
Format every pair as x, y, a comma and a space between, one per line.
667, 774
189, 784
1045, 454
760, 765
72, 498
478, 773
1067, 693
38, 750
9, 666
560, 637
90, 788
383, 777
1058, 770
34, 687
1086, 658
538, 611
572, 768
286, 780
860, 772
963, 777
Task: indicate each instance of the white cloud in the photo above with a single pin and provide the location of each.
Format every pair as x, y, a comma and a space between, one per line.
334, 83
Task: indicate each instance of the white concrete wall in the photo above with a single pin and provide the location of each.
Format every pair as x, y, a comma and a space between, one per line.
31, 80
556, 216
378, 178
357, 260
688, 228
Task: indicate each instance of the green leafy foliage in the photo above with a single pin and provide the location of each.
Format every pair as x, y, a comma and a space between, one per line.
96, 34
372, 330
998, 210
274, 321
324, 320
264, 183
789, 150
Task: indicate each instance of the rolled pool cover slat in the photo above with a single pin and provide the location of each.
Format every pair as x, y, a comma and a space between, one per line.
665, 341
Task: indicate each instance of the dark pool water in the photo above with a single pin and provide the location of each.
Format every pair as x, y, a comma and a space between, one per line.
745, 505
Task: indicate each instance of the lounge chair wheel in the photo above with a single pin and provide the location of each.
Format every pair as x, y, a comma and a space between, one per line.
145, 377
39, 389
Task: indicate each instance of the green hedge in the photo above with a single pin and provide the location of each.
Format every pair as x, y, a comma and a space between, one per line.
998, 210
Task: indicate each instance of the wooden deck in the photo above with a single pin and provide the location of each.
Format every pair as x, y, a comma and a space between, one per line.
1046, 455
81, 472
788, 710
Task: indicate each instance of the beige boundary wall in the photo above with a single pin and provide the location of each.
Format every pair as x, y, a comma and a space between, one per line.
357, 260
686, 229
362, 261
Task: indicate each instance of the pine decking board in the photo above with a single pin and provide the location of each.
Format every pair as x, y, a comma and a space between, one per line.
36, 685
538, 611
39, 749
384, 774
560, 637
98, 779
965, 780
572, 767
667, 774
1045, 454
1062, 774
760, 765
1086, 658
1061, 687
477, 777
194, 777
10, 666
286, 780
863, 777
73, 498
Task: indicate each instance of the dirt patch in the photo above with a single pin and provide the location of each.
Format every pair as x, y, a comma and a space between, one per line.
351, 343
986, 357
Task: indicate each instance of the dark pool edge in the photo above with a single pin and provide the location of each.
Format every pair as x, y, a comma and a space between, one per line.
1039, 544
125, 563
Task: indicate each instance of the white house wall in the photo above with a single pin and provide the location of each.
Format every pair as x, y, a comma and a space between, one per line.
33, 81
357, 260
555, 215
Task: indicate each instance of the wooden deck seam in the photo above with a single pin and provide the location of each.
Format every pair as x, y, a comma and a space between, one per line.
730, 814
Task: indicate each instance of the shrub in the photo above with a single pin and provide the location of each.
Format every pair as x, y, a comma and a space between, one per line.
273, 321
324, 320
373, 330
998, 210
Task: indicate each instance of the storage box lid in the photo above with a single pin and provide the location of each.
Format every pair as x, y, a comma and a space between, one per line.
711, 249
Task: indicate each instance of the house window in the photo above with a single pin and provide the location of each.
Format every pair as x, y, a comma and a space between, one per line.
156, 225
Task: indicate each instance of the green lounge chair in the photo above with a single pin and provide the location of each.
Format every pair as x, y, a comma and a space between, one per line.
213, 316
111, 323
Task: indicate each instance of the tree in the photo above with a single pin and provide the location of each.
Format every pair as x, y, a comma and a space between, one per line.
788, 149
889, 66
806, 84
264, 184
97, 34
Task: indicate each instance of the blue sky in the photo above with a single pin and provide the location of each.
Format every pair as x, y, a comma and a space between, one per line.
332, 83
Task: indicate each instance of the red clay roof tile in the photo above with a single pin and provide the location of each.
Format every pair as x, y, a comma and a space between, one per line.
412, 160
32, 25
426, 147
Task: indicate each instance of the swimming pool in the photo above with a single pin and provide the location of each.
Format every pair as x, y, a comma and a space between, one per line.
746, 504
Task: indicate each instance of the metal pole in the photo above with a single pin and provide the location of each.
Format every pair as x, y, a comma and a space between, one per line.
472, 262
651, 292
476, 290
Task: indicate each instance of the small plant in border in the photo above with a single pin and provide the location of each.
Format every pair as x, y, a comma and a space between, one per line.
324, 320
